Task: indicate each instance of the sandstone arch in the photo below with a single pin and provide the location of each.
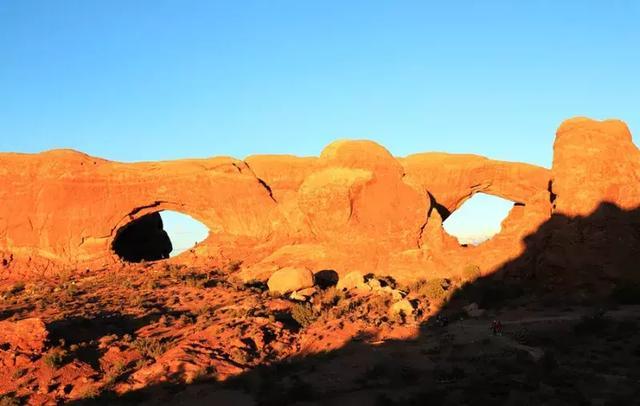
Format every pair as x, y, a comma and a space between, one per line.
145, 237
355, 207
453, 178
478, 219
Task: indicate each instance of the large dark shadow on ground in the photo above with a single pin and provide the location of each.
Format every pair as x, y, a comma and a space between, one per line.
570, 337
81, 330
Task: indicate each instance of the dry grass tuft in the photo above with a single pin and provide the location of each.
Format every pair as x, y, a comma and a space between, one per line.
303, 314
150, 347
55, 358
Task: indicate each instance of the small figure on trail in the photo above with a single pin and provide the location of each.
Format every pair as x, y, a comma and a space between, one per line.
496, 327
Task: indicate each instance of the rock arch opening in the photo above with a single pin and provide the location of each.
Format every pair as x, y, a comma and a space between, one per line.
157, 236
184, 231
478, 219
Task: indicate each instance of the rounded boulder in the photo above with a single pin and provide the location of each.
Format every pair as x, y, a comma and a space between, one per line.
289, 279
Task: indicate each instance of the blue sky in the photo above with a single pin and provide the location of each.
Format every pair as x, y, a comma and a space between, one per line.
183, 230
149, 80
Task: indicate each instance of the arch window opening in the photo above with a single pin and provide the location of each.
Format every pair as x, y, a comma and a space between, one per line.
478, 219
157, 236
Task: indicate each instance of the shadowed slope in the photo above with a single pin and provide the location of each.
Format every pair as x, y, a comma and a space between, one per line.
566, 337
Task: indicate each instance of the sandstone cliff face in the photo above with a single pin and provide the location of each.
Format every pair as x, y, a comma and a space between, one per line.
355, 207
594, 162
594, 233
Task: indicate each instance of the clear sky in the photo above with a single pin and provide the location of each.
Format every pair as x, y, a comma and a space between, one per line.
149, 80
183, 230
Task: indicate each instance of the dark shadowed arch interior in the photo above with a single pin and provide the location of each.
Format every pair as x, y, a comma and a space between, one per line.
144, 239
157, 236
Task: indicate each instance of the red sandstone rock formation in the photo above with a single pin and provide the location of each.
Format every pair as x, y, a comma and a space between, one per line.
353, 208
594, 162
27, 336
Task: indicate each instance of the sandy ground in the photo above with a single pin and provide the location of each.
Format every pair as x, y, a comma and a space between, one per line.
155, 334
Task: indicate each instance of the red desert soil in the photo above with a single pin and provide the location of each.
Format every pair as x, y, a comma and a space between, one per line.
157, 334
119, 330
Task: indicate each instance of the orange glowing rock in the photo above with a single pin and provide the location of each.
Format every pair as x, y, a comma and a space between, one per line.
353, 208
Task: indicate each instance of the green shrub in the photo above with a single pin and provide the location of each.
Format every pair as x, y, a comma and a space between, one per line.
378, 305
432, 289
90, 392
234, 266
55, 358
150, 347
19, 373
254, 285
152, 284
9, 400
14, 290
116, 373
195, 280
70, 289
331, 297
303, 314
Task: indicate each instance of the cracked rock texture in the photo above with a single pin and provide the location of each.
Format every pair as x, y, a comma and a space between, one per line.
353, 208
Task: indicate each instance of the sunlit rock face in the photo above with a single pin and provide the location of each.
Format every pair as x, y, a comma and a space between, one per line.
594, 162
353, 208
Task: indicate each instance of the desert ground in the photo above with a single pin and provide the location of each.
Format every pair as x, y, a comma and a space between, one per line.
160, 334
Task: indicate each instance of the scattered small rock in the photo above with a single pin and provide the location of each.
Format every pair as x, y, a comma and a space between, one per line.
303, 294
27, 335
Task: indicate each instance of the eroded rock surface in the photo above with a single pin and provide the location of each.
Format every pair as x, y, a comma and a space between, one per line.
353, 208
23, 336
594, 162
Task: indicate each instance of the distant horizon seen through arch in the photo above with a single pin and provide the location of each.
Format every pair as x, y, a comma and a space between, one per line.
183, 230
478, 219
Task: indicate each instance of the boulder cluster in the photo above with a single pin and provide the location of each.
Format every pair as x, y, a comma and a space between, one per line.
300, 284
